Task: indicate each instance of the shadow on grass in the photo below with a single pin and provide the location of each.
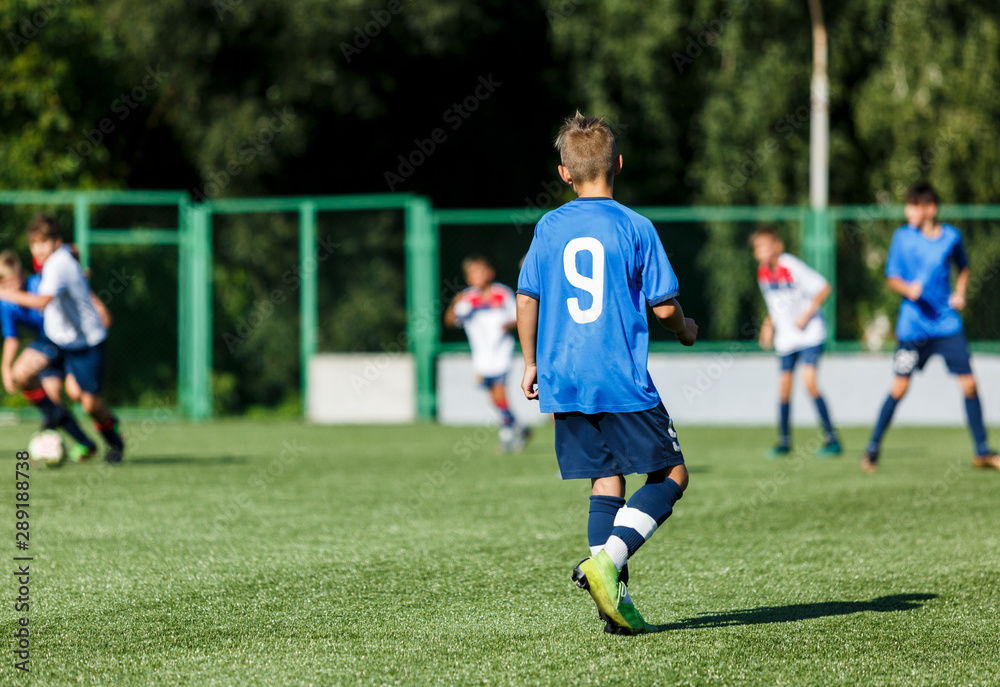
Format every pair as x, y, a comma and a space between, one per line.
796, 612
188, 460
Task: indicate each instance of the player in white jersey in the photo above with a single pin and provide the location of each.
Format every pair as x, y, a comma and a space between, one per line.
794, 294
71, 325
488, 313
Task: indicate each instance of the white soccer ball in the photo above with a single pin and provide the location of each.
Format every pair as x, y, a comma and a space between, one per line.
46, 449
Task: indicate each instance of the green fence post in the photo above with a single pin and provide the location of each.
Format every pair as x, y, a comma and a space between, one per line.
826, 254
422, 309
81, 228
819, 250
309, 293
200, 318
184, 391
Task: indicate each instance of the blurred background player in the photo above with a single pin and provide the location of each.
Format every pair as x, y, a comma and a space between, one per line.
70, 322
592, 267
918, 267
488, 313
794, 294
41, 359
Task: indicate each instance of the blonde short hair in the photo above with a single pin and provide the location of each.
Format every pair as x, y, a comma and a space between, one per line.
10, 265
587, 148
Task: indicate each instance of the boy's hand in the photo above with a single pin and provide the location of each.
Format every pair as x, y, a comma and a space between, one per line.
528, 382
690, 333
914, 290
803, 321
8, 383
766, 338
957, 301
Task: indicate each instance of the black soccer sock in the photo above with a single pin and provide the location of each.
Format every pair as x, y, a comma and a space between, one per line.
48, 409
109, 430
68, 422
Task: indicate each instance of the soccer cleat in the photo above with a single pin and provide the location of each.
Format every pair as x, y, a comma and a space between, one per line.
114, 456
80, 453
636, 624
523, 435
779, 451
599, 576
987, 461
830, 449
508, 439
869, 462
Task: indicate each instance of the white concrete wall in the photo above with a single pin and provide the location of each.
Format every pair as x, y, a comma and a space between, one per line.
361, 388
742, 389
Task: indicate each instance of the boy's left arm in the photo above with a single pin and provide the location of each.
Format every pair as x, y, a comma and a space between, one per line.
24, 299
817, 303
527, 331
957, 298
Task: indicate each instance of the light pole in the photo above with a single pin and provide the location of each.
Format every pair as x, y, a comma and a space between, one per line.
820, 243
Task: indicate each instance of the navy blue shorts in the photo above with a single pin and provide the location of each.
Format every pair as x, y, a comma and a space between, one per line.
807, 356
490, 382
913, 355
55, 368
87, 365
609, 444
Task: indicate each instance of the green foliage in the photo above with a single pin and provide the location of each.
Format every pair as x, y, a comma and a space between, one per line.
709, 99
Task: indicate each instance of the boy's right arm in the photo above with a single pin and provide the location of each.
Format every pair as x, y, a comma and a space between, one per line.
527, 331
10, 344
907, 289
766, 338
671, 315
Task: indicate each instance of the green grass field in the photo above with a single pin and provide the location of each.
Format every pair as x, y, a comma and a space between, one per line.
257, 553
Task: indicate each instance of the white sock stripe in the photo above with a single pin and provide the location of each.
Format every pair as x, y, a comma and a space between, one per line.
636, 520
617, 550
595, 549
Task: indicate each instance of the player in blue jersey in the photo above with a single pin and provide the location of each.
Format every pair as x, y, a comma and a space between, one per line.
41, 353
592, 267
918, 267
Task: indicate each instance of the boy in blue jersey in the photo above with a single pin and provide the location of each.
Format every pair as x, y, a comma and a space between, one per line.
48, 397
919, 268
71, 323
592, 267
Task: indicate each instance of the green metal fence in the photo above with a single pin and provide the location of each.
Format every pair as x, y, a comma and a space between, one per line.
177, 245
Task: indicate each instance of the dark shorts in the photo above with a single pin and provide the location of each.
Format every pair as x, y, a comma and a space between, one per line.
55, 368
609, 444
807, 356
913, 355
87, 365
490, 382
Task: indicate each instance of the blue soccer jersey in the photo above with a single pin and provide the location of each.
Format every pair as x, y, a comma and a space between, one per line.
593, 265
915, 258
12, 316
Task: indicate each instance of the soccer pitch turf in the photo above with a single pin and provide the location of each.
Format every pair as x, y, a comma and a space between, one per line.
277, 553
